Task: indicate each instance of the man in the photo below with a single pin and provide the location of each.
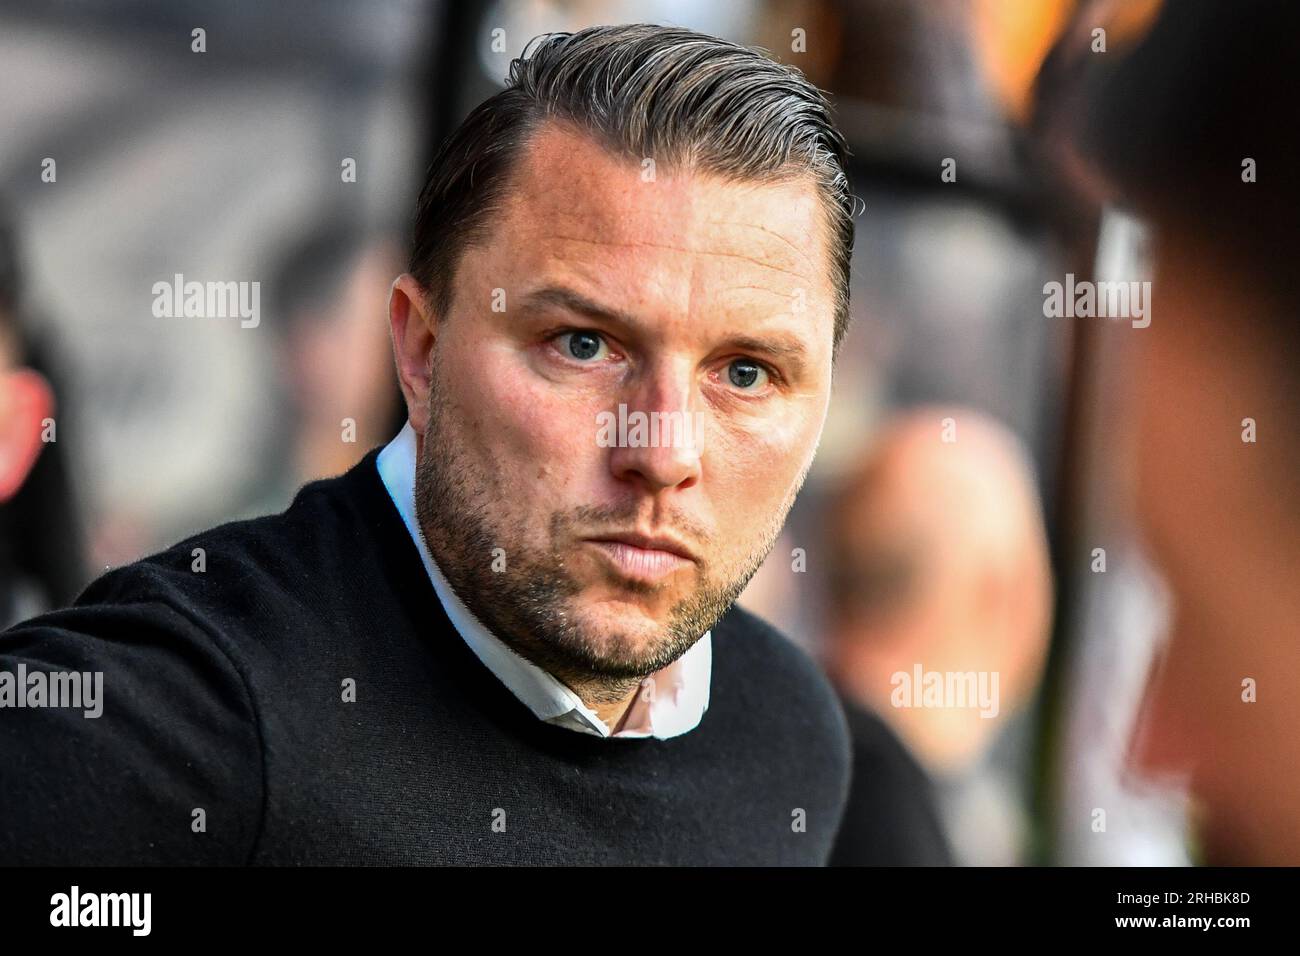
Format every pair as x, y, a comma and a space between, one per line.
424, 659
941, 564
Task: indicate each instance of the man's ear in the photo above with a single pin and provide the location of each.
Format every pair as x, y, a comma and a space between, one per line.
414, 328
26, 401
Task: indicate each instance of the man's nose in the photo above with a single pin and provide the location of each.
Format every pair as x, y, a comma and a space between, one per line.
659, 441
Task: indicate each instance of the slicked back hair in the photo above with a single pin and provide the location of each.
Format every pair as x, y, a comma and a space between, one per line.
687, 100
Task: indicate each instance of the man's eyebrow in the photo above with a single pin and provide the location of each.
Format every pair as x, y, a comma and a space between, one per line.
561, 297
778, 346
782, 347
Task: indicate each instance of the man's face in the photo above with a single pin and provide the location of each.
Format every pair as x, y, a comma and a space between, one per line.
687, 296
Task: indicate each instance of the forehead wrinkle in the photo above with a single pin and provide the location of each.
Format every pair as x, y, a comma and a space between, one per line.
698, 252
757, 288
771, 232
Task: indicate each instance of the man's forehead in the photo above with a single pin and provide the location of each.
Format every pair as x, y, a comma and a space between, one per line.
569, 189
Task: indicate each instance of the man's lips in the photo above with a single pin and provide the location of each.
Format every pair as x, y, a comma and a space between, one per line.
647, 542
643, 557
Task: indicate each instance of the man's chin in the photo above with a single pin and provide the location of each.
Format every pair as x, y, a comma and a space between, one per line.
622, 632
627, 616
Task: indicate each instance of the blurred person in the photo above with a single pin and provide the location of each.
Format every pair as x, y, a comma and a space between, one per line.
338, 350
40, 544
26, 403
334, 356
941, 568
502, 638
1215, 447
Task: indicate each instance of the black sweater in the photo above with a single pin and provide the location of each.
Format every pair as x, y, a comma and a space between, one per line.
223, 692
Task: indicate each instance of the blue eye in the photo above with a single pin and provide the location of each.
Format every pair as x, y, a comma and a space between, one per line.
745, 374
583, 346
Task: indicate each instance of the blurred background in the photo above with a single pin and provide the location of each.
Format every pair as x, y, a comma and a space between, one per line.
289, 151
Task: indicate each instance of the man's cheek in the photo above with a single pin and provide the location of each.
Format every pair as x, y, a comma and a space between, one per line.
757, 456
539, 432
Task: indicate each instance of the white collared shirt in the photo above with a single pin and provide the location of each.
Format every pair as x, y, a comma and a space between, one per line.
671, 701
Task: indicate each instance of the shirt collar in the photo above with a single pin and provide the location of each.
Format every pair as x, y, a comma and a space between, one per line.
670, 702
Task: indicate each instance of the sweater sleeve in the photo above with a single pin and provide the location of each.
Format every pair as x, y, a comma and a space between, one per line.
169, 771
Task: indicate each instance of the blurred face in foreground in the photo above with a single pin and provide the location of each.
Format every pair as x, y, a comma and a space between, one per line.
1220, 516
703, 300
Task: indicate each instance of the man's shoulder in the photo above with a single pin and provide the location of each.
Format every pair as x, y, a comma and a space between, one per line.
767, 670
762, 648
253, 564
